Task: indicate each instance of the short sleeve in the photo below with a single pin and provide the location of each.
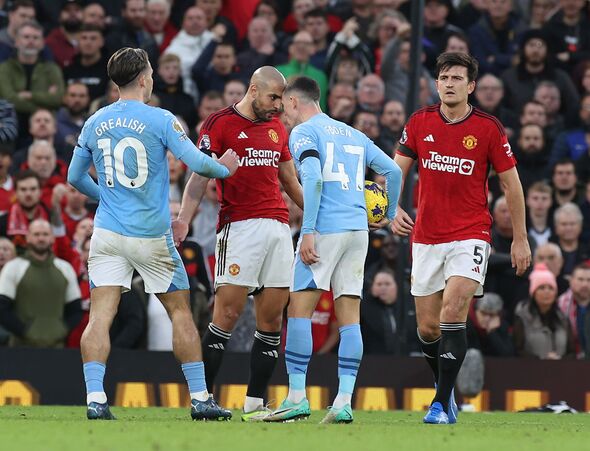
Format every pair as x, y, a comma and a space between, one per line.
209, 140
407, 142
303, 142
73, 289
175, 137
500, 153
8, 280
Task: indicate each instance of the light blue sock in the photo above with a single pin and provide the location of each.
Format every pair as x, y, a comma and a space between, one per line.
94, 377
297, 355
350, 354
194, 373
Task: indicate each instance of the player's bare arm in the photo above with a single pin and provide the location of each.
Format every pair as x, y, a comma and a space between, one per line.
193, 194
520, 252
290, 182
402, 224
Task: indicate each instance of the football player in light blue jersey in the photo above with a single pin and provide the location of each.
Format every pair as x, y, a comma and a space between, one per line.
128, 141
331, 158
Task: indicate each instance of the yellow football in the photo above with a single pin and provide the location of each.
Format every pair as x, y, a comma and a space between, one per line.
376, 200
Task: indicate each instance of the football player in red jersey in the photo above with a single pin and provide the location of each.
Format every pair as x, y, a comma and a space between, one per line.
454, 144
254, 251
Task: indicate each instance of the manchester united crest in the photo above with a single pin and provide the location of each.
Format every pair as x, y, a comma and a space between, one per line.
234, 269
469, 142
273, 135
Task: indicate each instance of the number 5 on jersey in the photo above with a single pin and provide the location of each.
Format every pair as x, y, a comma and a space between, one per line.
114, 163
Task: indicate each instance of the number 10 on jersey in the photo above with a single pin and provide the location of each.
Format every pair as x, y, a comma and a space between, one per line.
114, 164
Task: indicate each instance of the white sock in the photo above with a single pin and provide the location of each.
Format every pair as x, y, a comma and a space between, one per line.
296, 396
341, 400
200, 395
97, 396
251, 404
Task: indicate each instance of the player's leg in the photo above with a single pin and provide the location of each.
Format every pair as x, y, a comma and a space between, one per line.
269, 305
347, 284
187, 350
109, 271
428, 319
230, 301
95, 346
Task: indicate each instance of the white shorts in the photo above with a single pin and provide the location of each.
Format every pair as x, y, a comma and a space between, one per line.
433, 264
341, 265
113, 258
254, 253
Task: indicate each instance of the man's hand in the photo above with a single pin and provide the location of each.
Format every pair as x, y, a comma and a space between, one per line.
402, 224
219, 30
179, 231
493, 323
307, 250
58, 193
379, 225
230, 160
520, 255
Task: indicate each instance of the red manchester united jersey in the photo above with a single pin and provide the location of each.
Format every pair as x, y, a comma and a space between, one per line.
253, 191
454, 159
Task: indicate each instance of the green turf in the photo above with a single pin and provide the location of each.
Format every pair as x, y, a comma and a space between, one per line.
65, 428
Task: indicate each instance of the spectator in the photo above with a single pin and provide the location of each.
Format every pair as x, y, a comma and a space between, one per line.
7, 251
89, 66
295, 21
188, 44
211, 102
42, 127
71, 117
458, 42
233, 92
392, 122
568, 228
389, 25
348, 43
74, 211
494, 38
39, 293
574, 304
347, 72
111, 95
28, 81
20, 12
565, 183
568, 30
585, 207
6, 182
470, 12
131, 33
8, 126
83, 231
489, 94
362, 13
487, 330
212, 8
300, 50
540, 329
263, 49
539, 221
531, 154
380, 316
382, 254
574, 143
158, 24
342, 102
63, 40
316, 24
94, 15
533, 112
215, 67
43, 161
368, 123
550, 255
176, 169
436, 29
168, 87
535, 66
540, 12
269, 10
547, 93
205, 223
371, 93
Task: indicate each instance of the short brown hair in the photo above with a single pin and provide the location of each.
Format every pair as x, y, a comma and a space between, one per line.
126, 64
307, 87
449, 59
24, 175
168, 58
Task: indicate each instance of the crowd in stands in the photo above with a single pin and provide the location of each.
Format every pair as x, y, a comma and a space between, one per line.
534, 58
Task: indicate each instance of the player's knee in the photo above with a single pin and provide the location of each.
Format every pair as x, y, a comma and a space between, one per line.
270, 324
227, 318
429, 332
453, 312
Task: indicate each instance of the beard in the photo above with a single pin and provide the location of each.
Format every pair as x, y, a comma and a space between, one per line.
260, 113
71, 26
42, 249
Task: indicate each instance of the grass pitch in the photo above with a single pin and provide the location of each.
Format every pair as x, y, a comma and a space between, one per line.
66, 428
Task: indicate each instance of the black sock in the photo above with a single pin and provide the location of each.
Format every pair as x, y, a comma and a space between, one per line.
213, 345
452, 350
430, 353
263, 359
